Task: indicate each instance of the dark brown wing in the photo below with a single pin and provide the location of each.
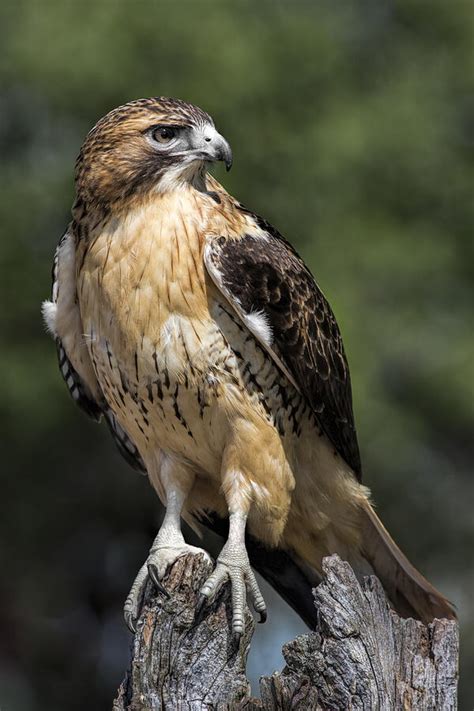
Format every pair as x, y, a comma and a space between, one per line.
262, 273
92, 403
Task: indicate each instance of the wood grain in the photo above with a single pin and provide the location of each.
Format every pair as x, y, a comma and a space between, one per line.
362, 655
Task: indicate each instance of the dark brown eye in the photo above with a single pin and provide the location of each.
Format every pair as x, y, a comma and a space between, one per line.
164, 134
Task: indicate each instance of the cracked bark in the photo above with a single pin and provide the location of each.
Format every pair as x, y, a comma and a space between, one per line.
361, 656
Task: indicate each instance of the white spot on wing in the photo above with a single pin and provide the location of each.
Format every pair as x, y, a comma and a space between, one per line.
213, 270
48, 309
257, 322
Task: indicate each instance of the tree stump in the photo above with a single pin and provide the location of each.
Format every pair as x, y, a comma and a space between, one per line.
362, 655
183, 661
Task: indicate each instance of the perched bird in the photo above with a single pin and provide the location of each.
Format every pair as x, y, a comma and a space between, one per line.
198, 333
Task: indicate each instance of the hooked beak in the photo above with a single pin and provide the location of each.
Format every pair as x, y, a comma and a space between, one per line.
213, 147
224, 152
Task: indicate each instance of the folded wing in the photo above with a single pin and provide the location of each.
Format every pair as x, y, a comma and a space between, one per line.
276, 296
63, 319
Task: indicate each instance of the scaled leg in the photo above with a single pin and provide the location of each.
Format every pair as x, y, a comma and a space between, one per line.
169, 544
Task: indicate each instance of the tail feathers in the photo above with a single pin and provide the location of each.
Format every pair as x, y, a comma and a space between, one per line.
410, 593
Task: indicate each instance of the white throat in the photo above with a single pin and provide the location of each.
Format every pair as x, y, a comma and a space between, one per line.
182, 176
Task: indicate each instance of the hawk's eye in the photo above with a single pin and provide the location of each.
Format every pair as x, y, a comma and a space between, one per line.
164, 134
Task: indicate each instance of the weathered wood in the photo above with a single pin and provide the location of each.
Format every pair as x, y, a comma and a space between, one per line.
364, 656
361, 656
181, 661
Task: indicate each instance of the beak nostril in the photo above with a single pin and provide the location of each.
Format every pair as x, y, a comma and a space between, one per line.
212, 147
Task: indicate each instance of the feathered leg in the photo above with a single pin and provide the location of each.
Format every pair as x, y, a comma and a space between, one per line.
233, 562
169, 544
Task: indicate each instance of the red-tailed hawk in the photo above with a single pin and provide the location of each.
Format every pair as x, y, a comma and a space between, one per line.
198, 333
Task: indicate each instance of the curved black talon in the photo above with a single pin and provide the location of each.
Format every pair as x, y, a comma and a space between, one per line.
130, 622
263, 617
201, 602
153, 573
237, 636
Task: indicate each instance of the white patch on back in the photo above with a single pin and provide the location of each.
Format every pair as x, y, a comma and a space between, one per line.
48, 309
264, 334
258, 323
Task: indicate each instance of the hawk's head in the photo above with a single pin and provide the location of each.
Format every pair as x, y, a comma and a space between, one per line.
155, 143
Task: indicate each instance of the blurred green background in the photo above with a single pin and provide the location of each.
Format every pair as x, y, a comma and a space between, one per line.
350, 128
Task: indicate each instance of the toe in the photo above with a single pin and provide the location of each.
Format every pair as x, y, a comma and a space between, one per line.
131, 609
215, 581
243, 581
238, 602
158, 562
256, 596
130, 620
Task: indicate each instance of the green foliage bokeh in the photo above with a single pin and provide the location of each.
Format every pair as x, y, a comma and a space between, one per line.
349, 123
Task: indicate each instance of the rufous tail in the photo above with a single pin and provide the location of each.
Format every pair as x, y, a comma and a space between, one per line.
410, 593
